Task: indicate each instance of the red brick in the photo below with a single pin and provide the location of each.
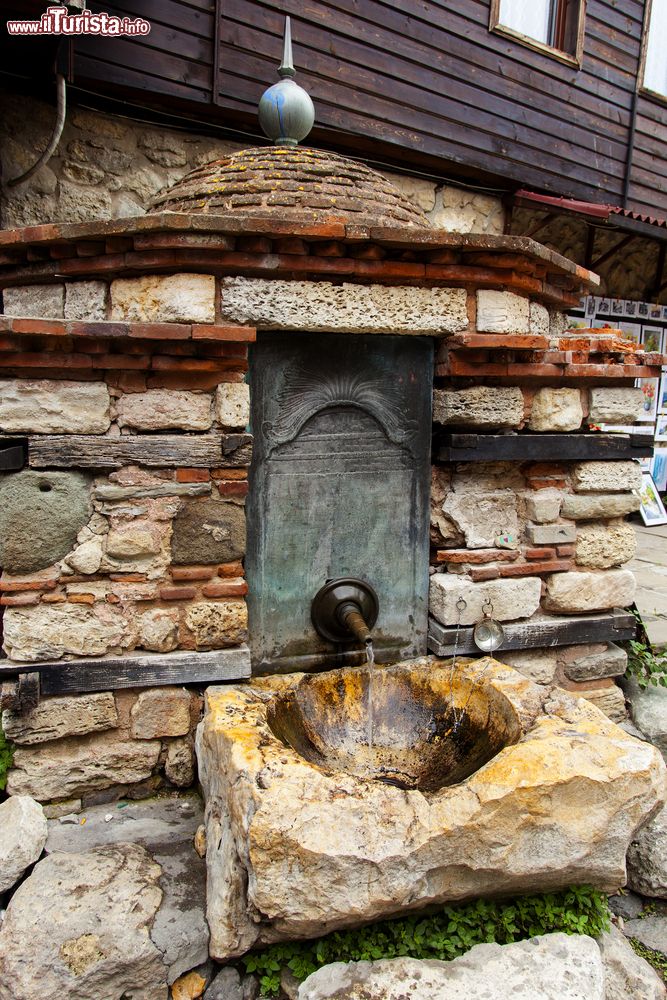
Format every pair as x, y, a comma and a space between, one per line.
192, 572
34, 359
565, 550
183, 380
160, 331
52, 598
9, 584
477, 575
476, 556
192, 475
178, 593
540, 553
231, 569
529, 569
46, 327
234, 588
229, 474
128, 577
17, 600
233, 489
81, 598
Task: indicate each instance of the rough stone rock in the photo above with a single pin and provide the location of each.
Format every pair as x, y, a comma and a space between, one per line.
491, 515
420, 192
51, 406
649, 713
165, 828
179, 765
163, 711
479, 406
502, 312
551, 967
551, 534
87, 557
580, 592
487, 477
556, 410
539, 665
322, 306
188, 987
647, 858
605, 544
209, 531
599, 506
463, 211
165, 409
543, 506
158, 630
49, 631
40, 517
539, 319
626, 975
98, 908
77, 765
626, 904
611, 661
225, 986
215, 625
86, 300
67, 715
111, 492
606, 477
173, 298
313, 849
41, 301
137, 538
23, 831
614, 406
608, 699
232, 404
511, 598
650, 931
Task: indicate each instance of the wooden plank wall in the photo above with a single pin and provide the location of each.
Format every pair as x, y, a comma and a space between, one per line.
648, 177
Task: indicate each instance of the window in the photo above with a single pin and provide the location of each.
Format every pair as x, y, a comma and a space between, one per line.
655, 63
552, 26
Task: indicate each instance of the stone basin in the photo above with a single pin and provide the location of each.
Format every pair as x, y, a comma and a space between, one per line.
309, 831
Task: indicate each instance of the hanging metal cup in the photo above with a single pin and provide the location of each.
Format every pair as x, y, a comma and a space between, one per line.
488, 634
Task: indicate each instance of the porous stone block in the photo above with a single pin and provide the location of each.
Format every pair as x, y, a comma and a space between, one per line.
173, 298
132, 539
165, 409
77, 765
606, 477
161, 711
604, 544
48, 632
232, 404
614, 406
179, 765
158, 630
610, 661
581, 592
480, 406
511, 598
580, 507
87, 557
55, 718
322, 306
483, 520
502, 312
420, 192
50, 406
41, 514
627, 976
608, 699
539, 319
551, 534
39, 301
539, 665
543, 506
215, 625
23, 831
463, 211
647, 858
209, 531
556, 410
86, 301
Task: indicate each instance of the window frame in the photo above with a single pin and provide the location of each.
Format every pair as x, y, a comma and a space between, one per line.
569, 58
647, 92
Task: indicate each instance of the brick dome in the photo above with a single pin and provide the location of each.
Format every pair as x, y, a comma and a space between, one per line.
291, 182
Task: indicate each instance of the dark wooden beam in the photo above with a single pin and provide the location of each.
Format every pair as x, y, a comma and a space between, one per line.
614, 250
653, 290
455, 447
91, 451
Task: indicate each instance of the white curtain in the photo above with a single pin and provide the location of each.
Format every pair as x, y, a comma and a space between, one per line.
655, 73
531, 17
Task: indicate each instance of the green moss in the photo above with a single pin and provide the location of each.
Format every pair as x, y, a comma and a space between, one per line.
6, 756
442, 935
654, 958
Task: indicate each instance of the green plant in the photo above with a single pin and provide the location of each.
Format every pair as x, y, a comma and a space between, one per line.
654, 958
442, 935
646, 666
6, 757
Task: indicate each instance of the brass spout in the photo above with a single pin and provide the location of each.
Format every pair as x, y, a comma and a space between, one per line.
349, 614
344, 610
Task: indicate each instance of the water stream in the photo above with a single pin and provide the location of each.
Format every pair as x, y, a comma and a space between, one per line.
370, 661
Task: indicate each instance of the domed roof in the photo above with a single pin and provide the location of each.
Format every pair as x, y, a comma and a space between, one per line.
291, 182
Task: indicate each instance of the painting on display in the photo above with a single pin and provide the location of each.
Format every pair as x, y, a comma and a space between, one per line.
659, 469
630, 331
652, 508
649, 388
661, 428
651, 338
662, 394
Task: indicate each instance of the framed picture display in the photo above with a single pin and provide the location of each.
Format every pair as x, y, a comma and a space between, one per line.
662, 393
617, 307
659, 469
652, 508
661, 428
651, 338
655, 312
649, 388
630, 331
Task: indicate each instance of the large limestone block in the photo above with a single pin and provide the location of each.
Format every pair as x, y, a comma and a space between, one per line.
502, 312
51, 406
40, 301
609, 699
173, 298
322, 306
165, 409
86, 300
41, 514
79, 928
511, 598
601, 545
480, 406
73, 766
68, 715
215, 625
538, 665
49, 631
158, 630
649, 713
540, 321
232, 405
295, 850
23, 832
626, 975
556, 410
606, 477
160, 712
543, 506
599, 506
551, 967
647, 858
209, 531
484, 518
586, 663
615, 406
581, 592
